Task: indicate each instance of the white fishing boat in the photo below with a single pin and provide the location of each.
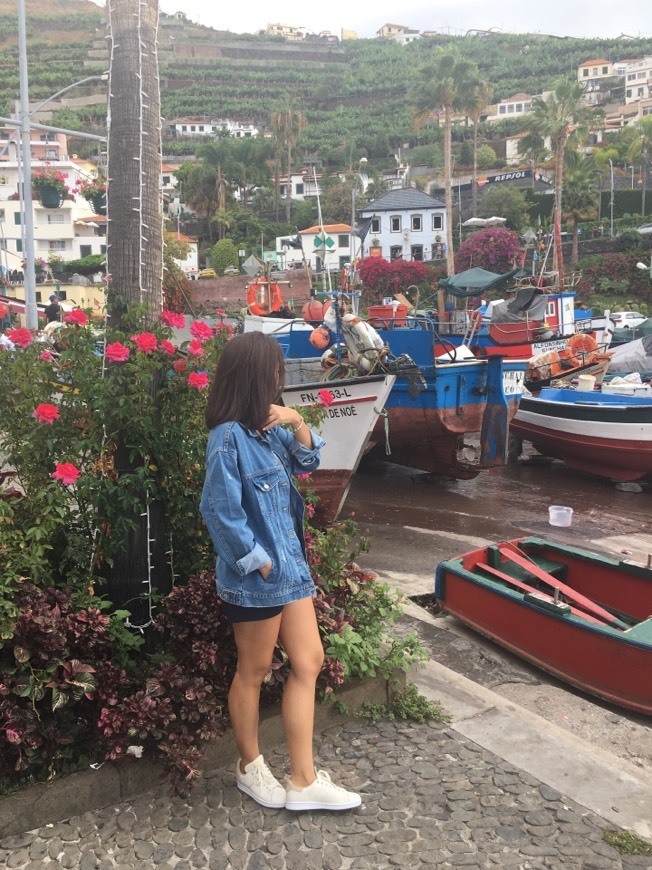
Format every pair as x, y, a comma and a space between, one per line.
356, 406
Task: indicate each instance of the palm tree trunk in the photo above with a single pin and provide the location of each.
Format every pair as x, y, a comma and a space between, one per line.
576, 238
448, 190
135, 263
474, 178
644, 188
135, 225
559, 183
288, 189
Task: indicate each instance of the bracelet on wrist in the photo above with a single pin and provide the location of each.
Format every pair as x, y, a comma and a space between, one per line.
295, 429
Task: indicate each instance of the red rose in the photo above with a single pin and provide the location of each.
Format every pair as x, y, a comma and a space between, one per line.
195, 348
325, 398
179, 365
201, 330
22, 337
198, 380
76, 317
168, 347
117, 352
66, 472
171, 318
46, 356
145, 341
46, 413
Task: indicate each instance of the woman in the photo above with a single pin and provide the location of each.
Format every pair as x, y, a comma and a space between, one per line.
254, 514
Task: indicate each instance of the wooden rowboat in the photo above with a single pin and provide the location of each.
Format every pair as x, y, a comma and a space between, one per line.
583, 617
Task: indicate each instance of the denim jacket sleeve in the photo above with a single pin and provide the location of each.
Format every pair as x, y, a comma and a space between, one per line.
302, 460
225, 518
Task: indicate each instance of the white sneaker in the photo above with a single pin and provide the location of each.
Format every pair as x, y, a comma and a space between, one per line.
259, 782
322, 794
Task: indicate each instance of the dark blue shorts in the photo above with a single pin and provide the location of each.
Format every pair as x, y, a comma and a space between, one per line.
236, 613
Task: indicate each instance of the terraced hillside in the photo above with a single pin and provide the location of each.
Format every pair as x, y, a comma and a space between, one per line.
353, 95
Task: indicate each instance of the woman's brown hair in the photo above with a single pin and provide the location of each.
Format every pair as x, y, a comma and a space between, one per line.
249, 377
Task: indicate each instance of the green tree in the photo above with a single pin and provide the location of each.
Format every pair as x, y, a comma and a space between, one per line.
224, 254
476, 102
485, 159
288, 123
507, 202
579, 197
554, 118
445, 85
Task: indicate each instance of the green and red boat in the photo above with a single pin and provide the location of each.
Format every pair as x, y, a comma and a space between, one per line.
581, 616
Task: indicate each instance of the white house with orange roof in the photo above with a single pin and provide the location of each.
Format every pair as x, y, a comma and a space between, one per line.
189, 265
327, 247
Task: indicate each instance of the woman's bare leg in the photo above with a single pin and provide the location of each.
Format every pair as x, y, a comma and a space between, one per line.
255, 642
299, 635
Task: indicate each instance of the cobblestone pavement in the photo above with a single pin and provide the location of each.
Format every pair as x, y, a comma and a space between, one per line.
430, 798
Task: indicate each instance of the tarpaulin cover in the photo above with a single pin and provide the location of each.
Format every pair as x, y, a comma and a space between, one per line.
474, 282
528, 304
635, 356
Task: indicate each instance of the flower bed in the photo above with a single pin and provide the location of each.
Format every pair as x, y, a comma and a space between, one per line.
90, 445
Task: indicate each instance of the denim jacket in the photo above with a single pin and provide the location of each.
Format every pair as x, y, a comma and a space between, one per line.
254, 513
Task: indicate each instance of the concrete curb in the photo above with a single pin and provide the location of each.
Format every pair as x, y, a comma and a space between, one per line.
114, 782
604, 783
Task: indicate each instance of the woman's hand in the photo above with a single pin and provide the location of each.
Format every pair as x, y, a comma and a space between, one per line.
279, 415
265, 570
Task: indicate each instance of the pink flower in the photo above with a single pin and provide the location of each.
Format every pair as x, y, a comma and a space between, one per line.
117, 352
66, 472
171, 318
46, 356
145, 341
195, 348
12, 735
221, 328
220, 312
201, 330
310, 510
77, 317
179, 365
46, 413
325, 398
198, 380
303, 476
168, 347
22, 337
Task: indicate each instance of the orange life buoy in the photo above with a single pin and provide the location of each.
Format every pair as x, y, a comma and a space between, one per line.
264, 297
582, 342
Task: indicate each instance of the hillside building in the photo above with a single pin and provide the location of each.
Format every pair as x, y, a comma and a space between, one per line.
638, 81
326, 248
194, 127
405, 224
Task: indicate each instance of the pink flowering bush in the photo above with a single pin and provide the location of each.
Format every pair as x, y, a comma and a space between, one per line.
74, 682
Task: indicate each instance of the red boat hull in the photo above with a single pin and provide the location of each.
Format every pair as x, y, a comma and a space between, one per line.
598, 658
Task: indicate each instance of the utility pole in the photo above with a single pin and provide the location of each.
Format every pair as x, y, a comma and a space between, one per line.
31, 311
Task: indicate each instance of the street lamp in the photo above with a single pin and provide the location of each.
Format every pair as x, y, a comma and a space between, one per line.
352, 233
611, 204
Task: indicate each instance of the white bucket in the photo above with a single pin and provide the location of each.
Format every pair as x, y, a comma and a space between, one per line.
586, 383
560, 515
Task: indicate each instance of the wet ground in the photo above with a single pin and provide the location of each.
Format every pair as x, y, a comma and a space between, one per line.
413, 521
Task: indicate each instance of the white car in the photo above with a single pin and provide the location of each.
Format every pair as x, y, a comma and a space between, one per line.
645, 229
628, 319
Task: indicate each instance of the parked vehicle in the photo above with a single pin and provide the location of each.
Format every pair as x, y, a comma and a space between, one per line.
627, 319
645, 229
